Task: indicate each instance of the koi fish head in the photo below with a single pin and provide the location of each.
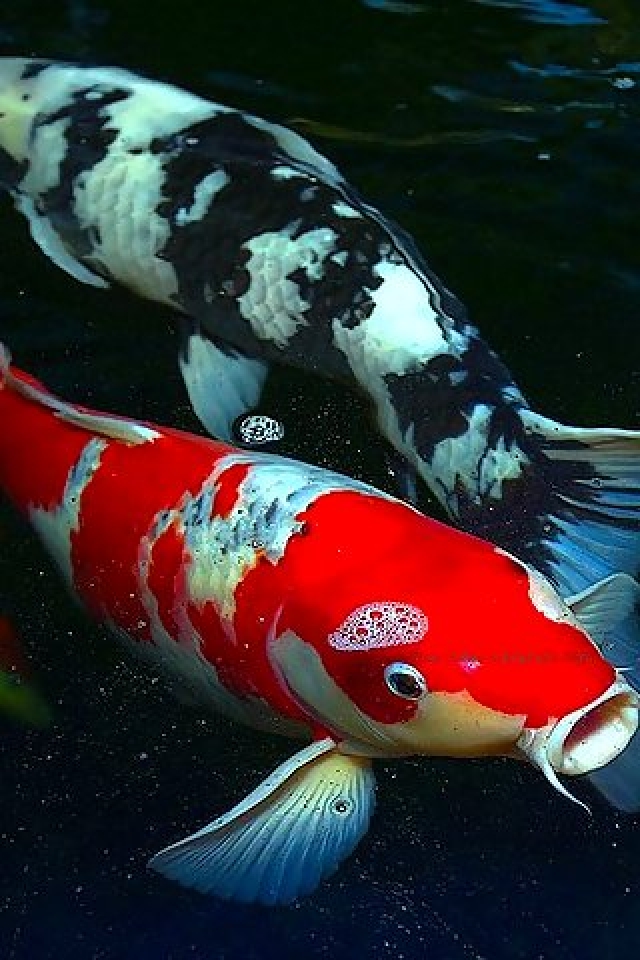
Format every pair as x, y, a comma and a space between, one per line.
480, 657
17, 110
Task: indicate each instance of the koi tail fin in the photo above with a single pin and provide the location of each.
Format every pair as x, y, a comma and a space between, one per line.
588, 522
572, 509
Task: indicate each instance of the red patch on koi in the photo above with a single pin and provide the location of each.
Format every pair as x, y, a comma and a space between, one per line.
227, 494
35, 474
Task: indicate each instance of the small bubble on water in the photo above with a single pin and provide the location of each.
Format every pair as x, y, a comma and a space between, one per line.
257, 429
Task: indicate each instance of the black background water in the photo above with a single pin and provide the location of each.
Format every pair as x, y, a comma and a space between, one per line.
504, 135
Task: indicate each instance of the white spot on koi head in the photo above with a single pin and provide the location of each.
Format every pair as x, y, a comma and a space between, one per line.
384, 624
542, 594
546, 600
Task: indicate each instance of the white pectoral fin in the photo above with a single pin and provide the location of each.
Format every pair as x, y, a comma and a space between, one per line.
50, 243
222, 383
287, 835
601, 607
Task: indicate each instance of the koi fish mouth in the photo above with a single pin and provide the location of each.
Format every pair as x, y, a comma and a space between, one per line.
586, 739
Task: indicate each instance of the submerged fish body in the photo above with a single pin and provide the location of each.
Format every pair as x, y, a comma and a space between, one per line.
299, 601
243, 226
19, 698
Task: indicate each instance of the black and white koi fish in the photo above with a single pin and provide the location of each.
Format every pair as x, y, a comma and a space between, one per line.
244, 227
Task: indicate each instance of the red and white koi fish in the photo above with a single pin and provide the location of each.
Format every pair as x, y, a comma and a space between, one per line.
303, 602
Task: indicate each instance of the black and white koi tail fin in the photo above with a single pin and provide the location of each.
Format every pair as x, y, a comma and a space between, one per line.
588, 526
568, 505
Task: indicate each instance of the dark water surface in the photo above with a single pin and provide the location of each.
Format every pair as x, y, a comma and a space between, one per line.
504, 135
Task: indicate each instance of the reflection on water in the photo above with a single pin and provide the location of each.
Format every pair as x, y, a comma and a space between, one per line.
504, 137
549, 11
394, 6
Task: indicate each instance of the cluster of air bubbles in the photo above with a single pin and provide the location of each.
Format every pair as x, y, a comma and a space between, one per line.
624, 83
256, 429
383, 624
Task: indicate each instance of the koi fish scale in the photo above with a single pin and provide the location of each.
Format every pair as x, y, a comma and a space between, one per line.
196, 648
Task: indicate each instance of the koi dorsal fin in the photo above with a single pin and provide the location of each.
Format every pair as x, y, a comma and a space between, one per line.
111, 427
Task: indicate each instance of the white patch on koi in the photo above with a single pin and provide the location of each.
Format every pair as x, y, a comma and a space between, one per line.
203, 194
401, 331
273, 304
469, 462
221, 551
152, 110
194, 680
543, 595
283, 172
47, 150
376, 625
116, 201
401, 335
548, 602
342, 209
263, 520
179, 657
56, 526
16, 113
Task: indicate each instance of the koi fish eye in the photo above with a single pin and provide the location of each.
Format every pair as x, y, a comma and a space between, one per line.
405, 681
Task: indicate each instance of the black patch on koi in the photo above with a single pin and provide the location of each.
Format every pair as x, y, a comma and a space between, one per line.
521, 520
88, 139
11, 171
438, 398
209, 253
34, 68
218, 140
271, 513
